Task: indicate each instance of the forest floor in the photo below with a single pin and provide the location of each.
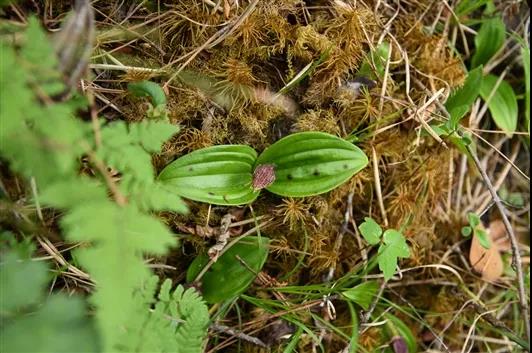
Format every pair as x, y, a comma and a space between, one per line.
377, 73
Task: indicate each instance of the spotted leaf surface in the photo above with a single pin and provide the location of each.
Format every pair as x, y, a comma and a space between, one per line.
311, 163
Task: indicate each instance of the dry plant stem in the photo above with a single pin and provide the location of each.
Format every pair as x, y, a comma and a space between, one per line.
523, 174
117, 195
233, 242
56, 255
378, 185
517, 263
237, 334
33, 185
470, 332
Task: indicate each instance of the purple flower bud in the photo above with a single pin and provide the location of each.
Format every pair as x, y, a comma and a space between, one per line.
398, 345
263, 176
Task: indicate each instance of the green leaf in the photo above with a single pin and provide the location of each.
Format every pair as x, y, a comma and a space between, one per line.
459, 141
57, 325
311, 163
473, 219
375, 65
41, 59
148, 89
152, 134
482, 237
466, 231
488, 41
394, 246
60, 326
71, 192
465, 7
370, 230
502, 105
229, 277
363, 293
114, 257
220, 175
156, 197
461, 99
399, 327
176, 322
21, 283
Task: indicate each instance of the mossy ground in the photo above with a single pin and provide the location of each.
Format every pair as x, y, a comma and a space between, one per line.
222, 88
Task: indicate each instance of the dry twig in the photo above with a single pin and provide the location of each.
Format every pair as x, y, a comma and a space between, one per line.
517, 263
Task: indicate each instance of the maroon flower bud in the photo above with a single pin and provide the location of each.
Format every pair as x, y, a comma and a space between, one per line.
398, 345
263, 176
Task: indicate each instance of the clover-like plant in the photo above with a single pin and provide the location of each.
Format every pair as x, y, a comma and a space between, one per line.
392, 245
299, 165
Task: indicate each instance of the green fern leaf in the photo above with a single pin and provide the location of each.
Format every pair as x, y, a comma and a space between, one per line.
41, 60
151, 134
191, 332
57, 324
178, 322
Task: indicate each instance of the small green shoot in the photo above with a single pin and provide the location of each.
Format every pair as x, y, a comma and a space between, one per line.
392, 245
157, 108
399, 329
375, 64
475, 228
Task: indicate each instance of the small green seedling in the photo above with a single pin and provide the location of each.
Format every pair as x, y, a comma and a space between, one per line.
457, 105
299, 165
392, 245
157, 106
475, 228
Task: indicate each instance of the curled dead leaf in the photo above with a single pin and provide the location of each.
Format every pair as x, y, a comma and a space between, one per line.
488, 262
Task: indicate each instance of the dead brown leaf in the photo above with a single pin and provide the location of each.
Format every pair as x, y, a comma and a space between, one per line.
488, 262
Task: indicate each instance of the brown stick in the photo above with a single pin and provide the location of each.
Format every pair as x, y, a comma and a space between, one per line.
517, 263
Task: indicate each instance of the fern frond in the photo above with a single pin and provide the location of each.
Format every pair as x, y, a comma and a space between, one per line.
42, 139
178, 322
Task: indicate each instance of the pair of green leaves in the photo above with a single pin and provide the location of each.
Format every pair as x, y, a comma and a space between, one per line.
234, 270
502, 104
299, 165
475, 228
499, 95
392, 245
